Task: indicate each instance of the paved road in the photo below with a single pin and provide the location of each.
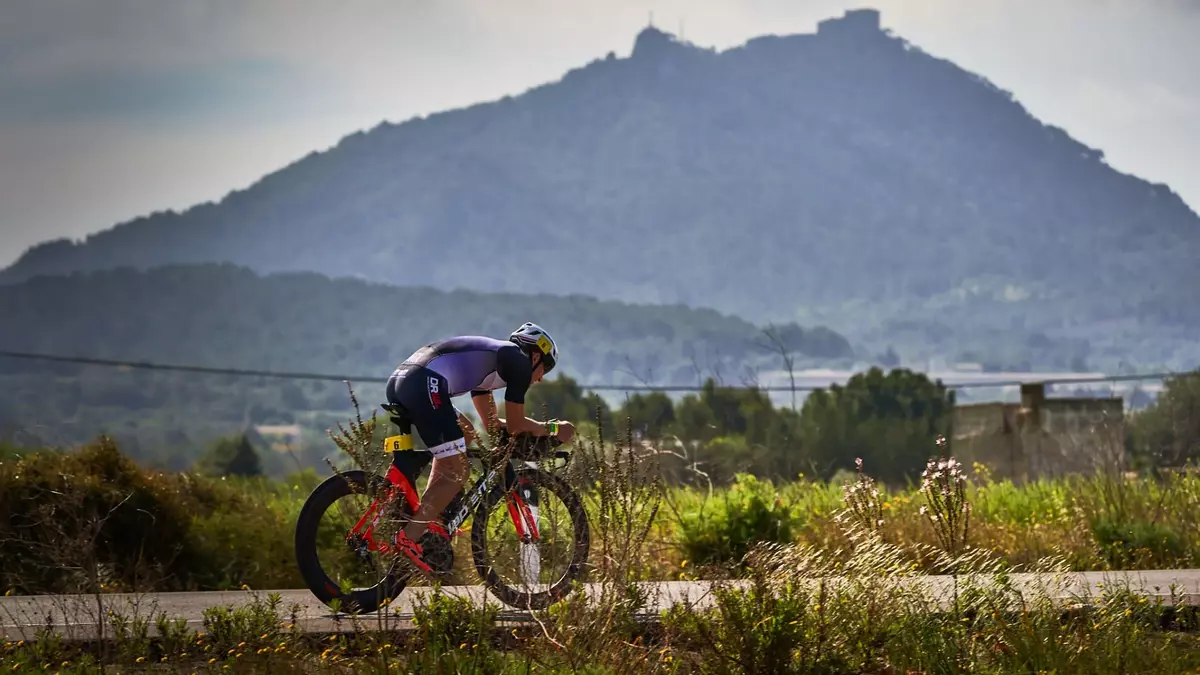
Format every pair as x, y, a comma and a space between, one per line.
76, 616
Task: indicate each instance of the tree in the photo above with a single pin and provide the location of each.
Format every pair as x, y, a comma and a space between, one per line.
293, 396
563, 399
233, 456
1167, 432
890, 359
775, 342
739, 430
651, 414
891, 421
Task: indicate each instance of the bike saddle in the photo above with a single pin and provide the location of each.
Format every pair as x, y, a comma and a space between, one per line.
397, 414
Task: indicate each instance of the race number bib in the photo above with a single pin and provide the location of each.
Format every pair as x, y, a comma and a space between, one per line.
398, 443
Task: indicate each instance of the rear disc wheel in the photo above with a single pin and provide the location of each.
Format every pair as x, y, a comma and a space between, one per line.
339, 569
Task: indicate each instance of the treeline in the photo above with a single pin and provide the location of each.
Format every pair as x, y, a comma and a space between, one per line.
890, 420
92, 520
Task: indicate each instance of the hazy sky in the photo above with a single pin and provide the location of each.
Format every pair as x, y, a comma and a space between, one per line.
114, 109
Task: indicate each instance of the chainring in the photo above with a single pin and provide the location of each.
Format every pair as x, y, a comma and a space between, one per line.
438, 553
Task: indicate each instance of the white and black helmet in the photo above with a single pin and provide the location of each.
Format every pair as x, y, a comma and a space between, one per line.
530, 336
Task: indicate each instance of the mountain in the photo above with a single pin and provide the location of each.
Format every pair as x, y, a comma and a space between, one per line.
228, 317
846, 178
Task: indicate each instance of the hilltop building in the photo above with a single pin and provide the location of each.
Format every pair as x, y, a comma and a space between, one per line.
854, 23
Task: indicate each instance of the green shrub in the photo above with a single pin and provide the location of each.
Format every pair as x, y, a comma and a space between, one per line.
1130, 543
755, 630
92, 520
445, 623
88, 520
723, 530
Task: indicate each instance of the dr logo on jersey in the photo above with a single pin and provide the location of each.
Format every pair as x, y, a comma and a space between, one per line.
435, 397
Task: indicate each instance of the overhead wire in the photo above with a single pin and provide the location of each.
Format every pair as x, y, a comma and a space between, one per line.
246, 372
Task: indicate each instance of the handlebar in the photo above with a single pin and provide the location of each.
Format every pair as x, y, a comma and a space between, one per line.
531, 447
526, 437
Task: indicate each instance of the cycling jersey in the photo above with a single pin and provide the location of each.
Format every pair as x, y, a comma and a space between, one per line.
476, 364
451, 368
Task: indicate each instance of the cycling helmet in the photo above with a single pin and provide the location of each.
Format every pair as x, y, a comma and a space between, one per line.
531, 335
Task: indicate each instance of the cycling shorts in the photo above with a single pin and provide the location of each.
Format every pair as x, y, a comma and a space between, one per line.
423, 396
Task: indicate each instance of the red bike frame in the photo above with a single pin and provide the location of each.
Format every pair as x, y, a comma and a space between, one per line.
400, 485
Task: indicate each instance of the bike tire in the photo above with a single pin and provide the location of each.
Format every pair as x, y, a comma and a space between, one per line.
358, 600
576, 569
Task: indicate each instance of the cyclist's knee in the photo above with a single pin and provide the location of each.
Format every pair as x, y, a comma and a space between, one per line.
453, 466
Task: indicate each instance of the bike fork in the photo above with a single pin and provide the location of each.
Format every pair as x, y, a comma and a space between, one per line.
524, 516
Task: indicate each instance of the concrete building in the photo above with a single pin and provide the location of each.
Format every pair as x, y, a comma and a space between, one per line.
1041, 437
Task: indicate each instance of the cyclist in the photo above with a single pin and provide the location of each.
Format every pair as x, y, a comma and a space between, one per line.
422, 387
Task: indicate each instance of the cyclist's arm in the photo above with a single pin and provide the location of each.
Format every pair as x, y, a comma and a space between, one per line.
485, 405
468, 428
517, 422
517, 373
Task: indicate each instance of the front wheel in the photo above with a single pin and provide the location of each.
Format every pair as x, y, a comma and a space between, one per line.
337, 568
539, 522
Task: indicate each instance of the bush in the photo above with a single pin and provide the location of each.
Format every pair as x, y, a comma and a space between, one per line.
723, 531
92, 520
88, 520
1127, 544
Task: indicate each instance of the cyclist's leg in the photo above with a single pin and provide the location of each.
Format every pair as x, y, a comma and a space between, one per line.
424, 394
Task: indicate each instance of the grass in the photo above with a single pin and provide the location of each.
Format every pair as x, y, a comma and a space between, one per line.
785, 619
1155, 525
775, 625
221, 534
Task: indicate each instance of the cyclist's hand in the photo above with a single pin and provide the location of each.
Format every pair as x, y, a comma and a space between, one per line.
566, 431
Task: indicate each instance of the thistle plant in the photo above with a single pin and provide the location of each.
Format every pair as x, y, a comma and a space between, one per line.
944, 486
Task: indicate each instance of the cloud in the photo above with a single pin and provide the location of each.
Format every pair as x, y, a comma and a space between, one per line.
72, 38
145, 97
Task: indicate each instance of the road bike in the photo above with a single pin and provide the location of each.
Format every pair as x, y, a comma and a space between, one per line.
515, 482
